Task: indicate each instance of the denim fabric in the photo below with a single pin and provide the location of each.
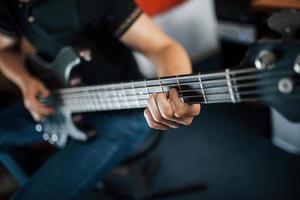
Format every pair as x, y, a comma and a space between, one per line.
77, 167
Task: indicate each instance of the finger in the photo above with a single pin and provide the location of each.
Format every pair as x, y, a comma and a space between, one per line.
186, 121
182, 109
152, 123
33, 104
40, 108
165, 108
157, 115
44, 91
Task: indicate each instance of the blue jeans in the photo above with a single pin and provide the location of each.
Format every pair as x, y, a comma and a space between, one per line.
77, 167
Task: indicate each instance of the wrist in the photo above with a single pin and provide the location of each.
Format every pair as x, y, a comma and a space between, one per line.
23, 80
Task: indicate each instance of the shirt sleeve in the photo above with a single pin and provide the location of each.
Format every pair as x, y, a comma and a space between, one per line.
111, 16
7, 24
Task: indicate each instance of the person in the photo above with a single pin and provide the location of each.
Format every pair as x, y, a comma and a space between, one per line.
108, 30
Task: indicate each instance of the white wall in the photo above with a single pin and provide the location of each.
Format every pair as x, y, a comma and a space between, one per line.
193, 24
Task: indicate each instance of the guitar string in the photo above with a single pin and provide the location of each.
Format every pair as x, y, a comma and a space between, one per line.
223, 87
100, 106
142, 97
139, 96
293, 97
84, 99
143, 105
129, 84
221, 98
167, 88
106, 87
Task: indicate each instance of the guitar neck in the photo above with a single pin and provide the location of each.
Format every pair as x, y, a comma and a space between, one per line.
211, 88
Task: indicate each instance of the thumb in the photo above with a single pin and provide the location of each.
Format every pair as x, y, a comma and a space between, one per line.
44, 91
174, 98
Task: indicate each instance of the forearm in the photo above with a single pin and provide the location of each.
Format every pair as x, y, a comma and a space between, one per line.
12, 66
171, 60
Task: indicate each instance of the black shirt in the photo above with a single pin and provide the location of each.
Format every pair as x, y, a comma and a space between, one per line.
82, 24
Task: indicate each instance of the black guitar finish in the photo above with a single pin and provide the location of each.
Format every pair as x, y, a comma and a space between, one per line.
58, 127
286, 97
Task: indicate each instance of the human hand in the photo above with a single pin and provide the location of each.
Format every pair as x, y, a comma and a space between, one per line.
168, 111
32, 89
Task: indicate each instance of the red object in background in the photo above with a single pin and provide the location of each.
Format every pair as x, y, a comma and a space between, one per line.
154, 7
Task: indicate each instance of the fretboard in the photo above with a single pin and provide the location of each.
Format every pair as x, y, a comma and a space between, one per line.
223, 87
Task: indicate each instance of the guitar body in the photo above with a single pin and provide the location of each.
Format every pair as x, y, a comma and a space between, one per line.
57, 74
286, 54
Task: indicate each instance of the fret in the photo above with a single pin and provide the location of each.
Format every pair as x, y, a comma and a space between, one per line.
147, 91
109, 99
107, 104
235, 88
178, 83
139, 89
161, 86
179, 87
202, 89
76, 101
115, 97
97, 96
99, 106
103, 99
100, 100
125, 96
229, 84
86, 101
91, 103
94, 100
153, 87
136, 98
73, 102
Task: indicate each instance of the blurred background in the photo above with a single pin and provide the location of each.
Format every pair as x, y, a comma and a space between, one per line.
229, 152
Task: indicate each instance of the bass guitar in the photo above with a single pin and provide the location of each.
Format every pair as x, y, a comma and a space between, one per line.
269, 74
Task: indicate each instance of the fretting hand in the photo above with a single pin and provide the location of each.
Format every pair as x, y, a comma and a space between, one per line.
168, 111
